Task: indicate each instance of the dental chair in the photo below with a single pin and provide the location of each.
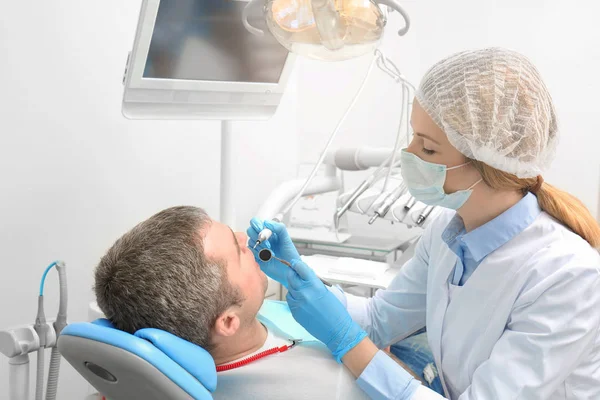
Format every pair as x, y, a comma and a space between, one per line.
151, 364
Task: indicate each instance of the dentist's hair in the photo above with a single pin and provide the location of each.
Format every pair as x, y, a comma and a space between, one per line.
157, 276
497, 111
561, 205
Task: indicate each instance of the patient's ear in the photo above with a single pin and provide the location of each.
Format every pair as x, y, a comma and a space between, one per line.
228, 323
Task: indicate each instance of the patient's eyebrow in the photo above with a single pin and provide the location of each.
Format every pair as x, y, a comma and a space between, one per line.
237, 245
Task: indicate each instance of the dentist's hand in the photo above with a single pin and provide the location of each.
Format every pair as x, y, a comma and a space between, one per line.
320, 312
280, 244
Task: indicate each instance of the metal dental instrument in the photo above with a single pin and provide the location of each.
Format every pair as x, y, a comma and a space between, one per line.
266, 255
355, 195
405, 209
410, 203
424, 214
387, 203
266, 233
366, 184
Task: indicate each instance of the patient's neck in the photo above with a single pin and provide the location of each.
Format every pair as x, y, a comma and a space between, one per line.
246, 341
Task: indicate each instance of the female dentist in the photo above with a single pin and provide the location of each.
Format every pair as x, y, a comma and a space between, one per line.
506, 281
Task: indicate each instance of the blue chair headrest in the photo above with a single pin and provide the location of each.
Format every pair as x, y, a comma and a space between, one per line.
192, 358
165, 351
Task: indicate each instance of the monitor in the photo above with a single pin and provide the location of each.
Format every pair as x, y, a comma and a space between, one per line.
194, 59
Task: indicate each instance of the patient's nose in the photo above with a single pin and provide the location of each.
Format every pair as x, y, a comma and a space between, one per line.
242, 239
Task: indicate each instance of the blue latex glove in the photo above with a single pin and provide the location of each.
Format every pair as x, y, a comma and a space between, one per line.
320, 312
280, 244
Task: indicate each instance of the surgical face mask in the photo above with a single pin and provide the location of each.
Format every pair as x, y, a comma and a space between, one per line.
425, 182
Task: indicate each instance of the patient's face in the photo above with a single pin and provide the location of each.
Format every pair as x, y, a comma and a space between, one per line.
222, 243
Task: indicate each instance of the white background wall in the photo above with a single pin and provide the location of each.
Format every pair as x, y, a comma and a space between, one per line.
74, 174
562, 40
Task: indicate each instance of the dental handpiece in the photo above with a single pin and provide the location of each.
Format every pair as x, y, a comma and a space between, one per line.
363, 187
424, 214
266, 255
387, 203
410, 203
355, 195
265, 234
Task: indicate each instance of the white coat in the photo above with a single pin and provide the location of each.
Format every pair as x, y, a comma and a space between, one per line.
526, 325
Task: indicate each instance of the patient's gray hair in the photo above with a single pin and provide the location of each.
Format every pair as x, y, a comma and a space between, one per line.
157, 276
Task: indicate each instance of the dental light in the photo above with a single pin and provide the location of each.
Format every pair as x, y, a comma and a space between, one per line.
326, 30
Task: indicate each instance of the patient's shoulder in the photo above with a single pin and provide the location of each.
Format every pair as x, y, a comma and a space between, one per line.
306, 371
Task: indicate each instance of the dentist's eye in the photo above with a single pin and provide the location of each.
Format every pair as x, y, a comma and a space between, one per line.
428, 152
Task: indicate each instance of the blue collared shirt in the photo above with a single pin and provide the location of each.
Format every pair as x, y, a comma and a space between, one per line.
471, 248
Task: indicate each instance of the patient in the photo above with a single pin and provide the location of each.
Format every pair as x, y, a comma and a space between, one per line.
184, 273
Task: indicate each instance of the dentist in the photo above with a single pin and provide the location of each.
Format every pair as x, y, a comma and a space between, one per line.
507, 280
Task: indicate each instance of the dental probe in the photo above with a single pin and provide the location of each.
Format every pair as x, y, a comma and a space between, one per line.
265, 255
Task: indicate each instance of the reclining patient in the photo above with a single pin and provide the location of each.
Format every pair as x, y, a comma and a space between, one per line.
186, 274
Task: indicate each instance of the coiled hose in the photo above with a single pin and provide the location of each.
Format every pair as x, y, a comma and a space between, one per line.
39, 382
53, 374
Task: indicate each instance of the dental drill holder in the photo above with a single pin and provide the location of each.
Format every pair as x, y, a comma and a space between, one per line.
16, 344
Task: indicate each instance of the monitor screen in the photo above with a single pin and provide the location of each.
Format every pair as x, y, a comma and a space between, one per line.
205, 40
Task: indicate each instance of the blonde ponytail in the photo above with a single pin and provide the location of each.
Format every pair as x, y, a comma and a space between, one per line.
570, 211
564, 207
